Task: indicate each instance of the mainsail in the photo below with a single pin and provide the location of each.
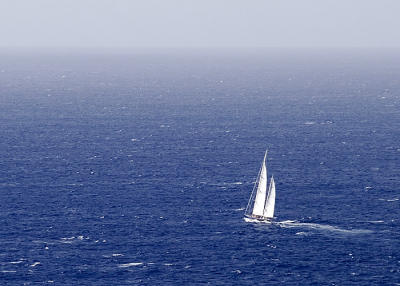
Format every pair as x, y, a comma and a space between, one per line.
261, 191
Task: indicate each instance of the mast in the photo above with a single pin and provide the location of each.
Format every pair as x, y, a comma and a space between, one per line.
270, 202
259, 202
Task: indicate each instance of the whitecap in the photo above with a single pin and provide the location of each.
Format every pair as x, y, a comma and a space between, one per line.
168, 264
288, 221
117, 254
389, 200
8, 271
67, 241
34, 264
39, 241
16, 262
301, 233
130, 264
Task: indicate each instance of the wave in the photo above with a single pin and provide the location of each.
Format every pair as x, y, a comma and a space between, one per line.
389, 200
68, 238
302, 233
72, 238
16, 262
35, 264
126, 265
130, 264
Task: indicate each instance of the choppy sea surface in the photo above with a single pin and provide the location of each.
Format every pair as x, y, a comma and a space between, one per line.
135, 168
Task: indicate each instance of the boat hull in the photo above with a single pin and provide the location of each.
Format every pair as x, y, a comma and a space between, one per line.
258, 219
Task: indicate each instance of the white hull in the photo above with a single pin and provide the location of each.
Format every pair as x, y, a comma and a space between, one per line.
258, 220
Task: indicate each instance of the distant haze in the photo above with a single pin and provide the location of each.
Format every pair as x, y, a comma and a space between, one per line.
201, 23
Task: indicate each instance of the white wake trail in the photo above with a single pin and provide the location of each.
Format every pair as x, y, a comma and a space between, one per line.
321, 227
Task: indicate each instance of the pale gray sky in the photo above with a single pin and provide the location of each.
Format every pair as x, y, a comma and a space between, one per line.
201, 23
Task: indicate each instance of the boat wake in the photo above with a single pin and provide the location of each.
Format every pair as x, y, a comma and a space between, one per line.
309, 226
321, 227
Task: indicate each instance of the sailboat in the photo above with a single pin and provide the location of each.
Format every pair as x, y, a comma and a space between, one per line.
261, 205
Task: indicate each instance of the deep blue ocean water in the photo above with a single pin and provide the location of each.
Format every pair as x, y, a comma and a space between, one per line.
135, 168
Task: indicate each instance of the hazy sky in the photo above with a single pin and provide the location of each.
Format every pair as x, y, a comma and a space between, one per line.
211, 23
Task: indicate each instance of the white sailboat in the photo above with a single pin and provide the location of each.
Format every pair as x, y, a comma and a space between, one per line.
261, 205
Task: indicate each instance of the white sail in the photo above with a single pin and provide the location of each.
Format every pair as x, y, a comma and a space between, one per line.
270, 203
259, 202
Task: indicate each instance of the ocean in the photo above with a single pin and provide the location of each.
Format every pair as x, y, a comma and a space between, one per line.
134, 168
